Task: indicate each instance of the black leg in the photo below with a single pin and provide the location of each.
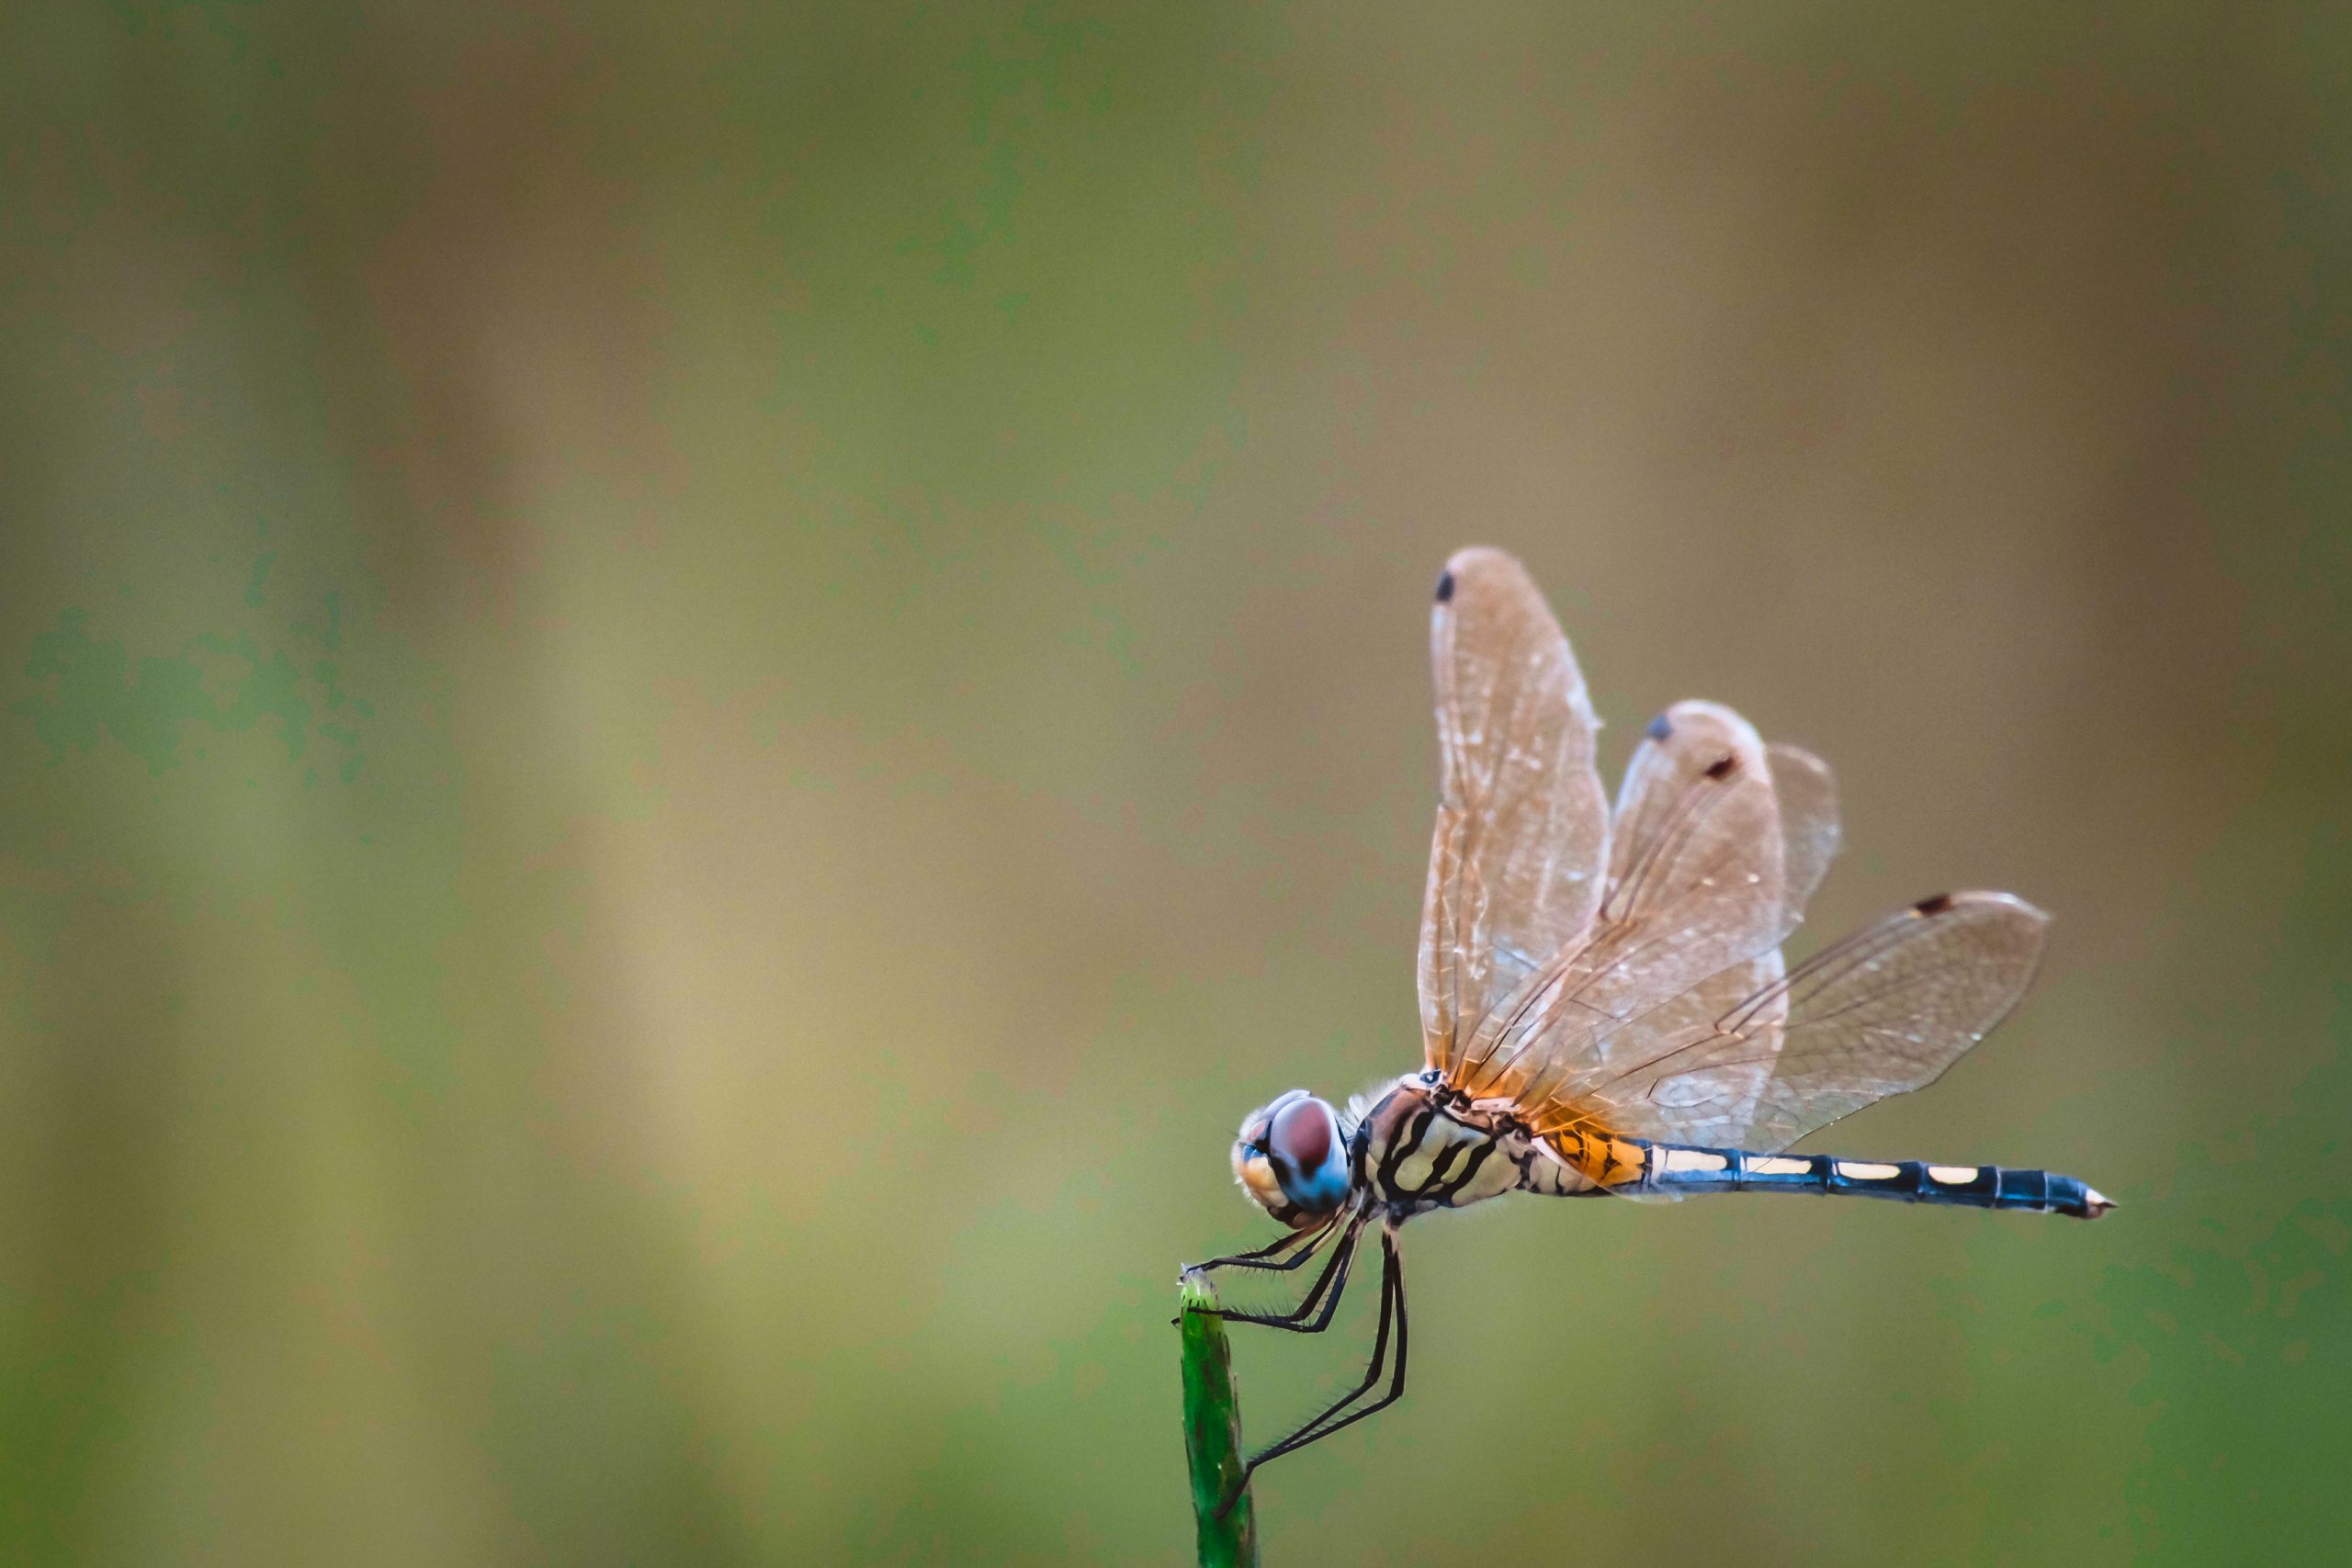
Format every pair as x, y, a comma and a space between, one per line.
1253, 1259
1392, 1307
1323, 1426
1304, 1318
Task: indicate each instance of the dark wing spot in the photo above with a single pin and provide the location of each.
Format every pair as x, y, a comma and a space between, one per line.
1444, 586
1935, 906
1658, 730
1724, 769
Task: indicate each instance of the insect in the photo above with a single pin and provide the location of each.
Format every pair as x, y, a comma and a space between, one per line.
1604, 1005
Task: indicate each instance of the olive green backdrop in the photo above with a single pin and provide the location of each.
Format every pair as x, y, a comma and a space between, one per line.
691, 697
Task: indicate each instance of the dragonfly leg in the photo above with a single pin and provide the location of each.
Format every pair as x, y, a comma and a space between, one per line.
1392, 1309
1313, 1314
1313, 1233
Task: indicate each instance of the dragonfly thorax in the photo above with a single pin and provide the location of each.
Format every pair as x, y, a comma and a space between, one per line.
1420, 1148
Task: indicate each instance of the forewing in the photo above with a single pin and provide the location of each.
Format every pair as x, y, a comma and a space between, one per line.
1522, 826
1886, 1011
1695, 886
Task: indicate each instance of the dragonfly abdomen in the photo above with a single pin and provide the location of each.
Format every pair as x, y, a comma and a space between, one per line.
1682, 1170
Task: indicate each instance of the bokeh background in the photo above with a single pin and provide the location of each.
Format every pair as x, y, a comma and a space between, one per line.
694, 695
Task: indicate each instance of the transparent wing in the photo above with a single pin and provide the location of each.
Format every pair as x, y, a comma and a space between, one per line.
1522, 826
1809, 828
1883, 1011
1695, 886
1809, 835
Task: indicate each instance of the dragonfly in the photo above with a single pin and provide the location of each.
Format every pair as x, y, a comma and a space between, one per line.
1605, 1008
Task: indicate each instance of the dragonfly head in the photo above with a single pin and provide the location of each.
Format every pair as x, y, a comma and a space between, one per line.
1292, 1159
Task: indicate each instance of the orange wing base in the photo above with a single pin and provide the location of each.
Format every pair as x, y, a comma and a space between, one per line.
1599, 1155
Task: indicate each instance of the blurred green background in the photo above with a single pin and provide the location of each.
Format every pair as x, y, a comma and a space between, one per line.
693, 697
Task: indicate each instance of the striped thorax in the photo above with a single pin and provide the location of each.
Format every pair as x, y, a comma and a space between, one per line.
1420, 1148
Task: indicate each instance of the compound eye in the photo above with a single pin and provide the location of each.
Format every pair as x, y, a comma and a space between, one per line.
1254, 1130
1303, 1135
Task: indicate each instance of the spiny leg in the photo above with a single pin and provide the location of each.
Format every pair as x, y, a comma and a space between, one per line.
1323, 1426
1314, 1237
1313, 1233
1333, 1280
1307, 1433
1391, 1305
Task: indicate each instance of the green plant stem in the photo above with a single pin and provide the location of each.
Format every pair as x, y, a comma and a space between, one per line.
1212, 1432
